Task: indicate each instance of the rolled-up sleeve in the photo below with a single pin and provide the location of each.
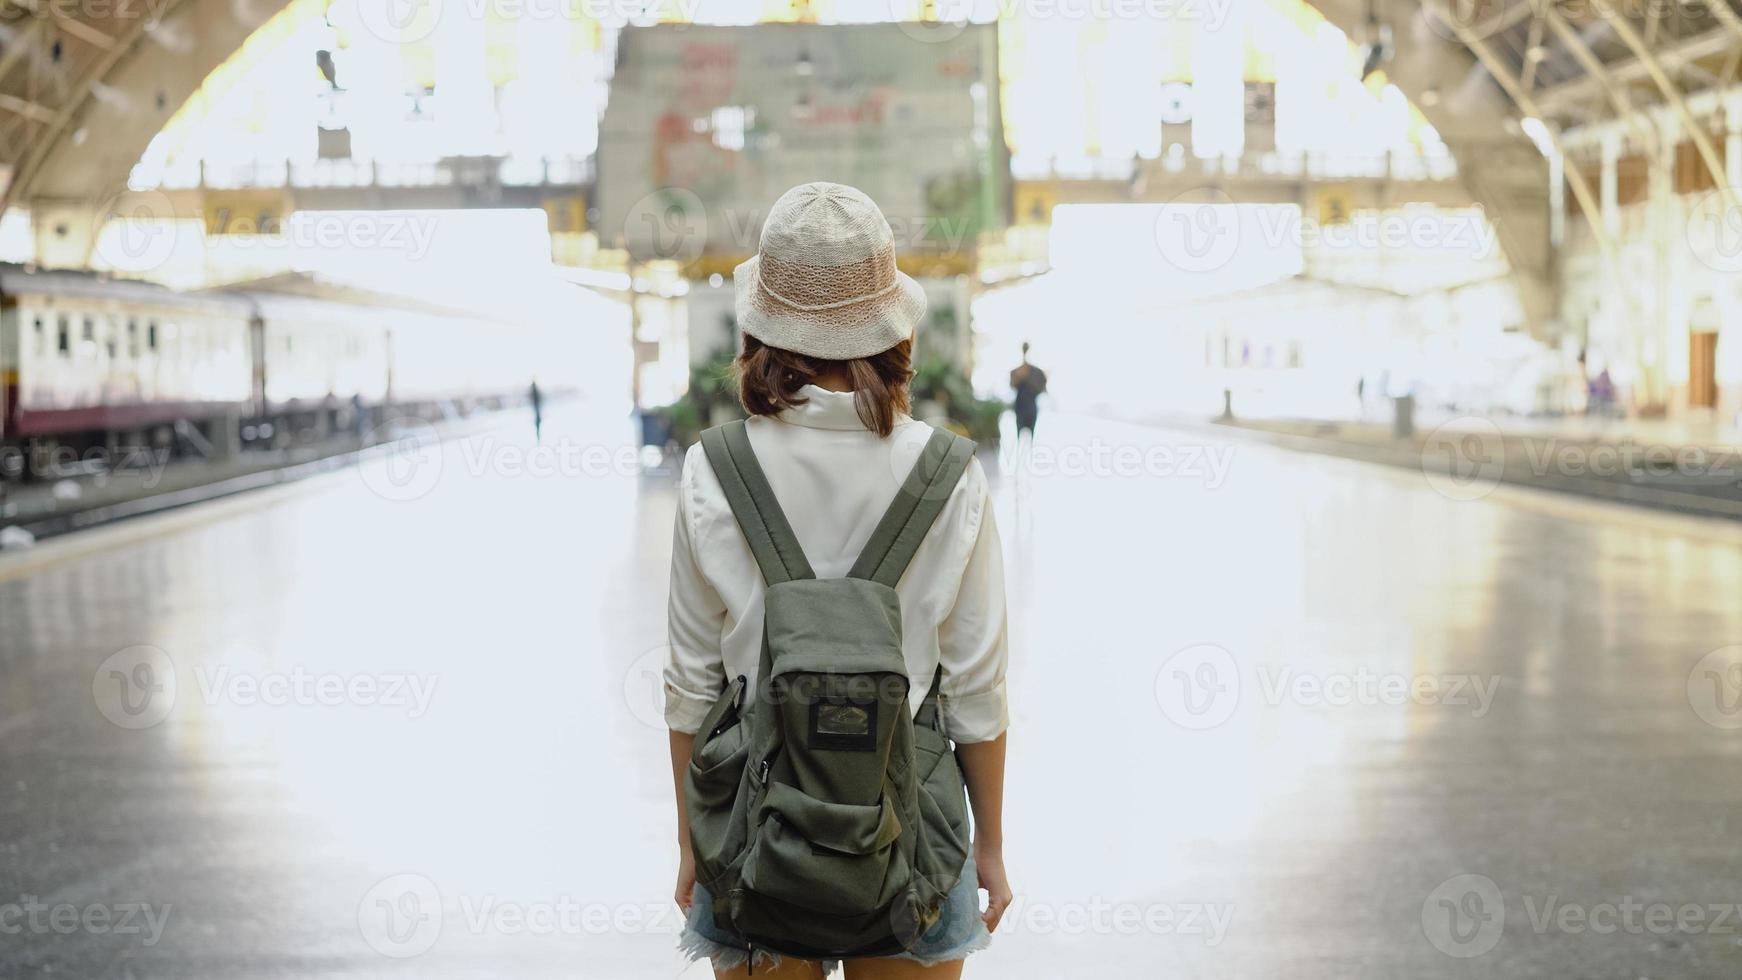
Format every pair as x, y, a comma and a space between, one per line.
694, 670
973, 640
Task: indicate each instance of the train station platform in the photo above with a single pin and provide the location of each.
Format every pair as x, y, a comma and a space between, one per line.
1689, 465
1274, 714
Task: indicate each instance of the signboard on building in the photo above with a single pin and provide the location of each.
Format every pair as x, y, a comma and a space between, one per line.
1260, 98
706, 126
244, 211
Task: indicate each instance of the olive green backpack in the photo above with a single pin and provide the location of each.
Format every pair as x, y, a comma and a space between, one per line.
826, 820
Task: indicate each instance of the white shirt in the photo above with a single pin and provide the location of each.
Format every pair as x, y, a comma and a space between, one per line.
834, 478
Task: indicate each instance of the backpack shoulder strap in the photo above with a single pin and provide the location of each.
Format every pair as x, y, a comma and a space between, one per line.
916, 506
759, 515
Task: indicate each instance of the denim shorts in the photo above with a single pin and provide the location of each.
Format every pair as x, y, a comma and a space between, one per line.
958, 931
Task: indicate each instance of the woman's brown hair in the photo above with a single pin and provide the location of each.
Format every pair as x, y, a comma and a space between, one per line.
769, 379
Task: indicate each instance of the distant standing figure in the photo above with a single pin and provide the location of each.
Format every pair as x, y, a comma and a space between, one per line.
537, 398
359, 419
1601, 395
1028, 382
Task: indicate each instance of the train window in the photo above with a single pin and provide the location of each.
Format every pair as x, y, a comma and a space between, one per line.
41, 337
151, 335
90, 331
64, 340
132, 338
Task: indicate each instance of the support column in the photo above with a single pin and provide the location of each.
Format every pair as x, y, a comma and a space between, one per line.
1669, 326
1557, 198
1733, 140
1608, 182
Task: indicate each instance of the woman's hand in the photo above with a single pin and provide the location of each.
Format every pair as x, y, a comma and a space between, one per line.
989, 862
686, 880
682, 745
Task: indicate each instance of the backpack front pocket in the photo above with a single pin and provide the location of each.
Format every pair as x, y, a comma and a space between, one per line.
837, 858
711, 786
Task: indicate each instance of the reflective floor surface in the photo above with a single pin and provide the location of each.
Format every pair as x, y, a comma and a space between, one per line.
1274, 715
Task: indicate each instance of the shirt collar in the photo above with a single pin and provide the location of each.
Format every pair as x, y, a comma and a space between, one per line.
825, 409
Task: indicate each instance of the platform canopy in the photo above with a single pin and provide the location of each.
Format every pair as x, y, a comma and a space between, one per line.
85, 86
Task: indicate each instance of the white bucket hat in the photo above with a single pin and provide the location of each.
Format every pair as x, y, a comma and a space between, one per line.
824, 282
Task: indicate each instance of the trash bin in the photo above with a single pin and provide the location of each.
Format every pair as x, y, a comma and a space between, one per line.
1403, 416
655, 428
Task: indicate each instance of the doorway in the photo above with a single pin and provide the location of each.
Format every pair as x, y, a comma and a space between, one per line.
1702, 370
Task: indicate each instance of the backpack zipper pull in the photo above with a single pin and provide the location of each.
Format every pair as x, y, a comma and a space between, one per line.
762, 771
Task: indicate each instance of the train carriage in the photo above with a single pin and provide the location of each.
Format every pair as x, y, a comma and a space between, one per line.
86, 360
82, 356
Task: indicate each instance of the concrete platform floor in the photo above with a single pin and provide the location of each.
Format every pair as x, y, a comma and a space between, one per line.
1275, 715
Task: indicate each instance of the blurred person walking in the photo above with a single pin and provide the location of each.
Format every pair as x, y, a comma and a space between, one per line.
1029, 382
359, 419
537, 399
772, 512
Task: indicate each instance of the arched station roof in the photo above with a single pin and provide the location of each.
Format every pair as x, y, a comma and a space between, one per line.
85, 86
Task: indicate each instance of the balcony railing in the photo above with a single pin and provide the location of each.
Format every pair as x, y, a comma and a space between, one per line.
322, 174
1250, 166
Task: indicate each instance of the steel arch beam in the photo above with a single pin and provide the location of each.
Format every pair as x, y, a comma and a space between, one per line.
1619, 99
1673, 95
75, 101
1521, 96
155, 77
1499, 167
1679, 54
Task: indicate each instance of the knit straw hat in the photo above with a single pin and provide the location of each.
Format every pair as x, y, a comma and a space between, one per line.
824, 281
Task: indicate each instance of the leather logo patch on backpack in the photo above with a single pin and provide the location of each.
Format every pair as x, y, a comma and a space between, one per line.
843, 724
